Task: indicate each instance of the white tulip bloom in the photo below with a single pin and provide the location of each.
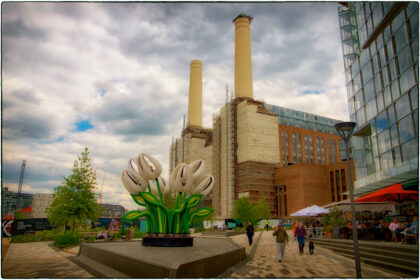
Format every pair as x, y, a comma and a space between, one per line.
164, 187
205, 186
148, 171
197, 168
183, 181
131, 184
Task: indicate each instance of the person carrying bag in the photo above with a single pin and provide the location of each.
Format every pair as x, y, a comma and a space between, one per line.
281, 239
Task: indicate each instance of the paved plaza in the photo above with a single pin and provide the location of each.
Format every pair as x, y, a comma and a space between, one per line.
40, 260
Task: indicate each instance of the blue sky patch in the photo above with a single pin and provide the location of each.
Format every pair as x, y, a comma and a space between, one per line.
102, 91
84, 125
312, 91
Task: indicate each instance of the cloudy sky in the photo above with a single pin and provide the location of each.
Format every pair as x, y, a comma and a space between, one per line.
113, 77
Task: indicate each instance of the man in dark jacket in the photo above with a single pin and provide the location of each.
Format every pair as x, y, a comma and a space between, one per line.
250, 232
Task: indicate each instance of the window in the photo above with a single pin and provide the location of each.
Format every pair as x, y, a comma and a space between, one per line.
337, 180
294, 147
299, 148
332, 185
334, 158
402, 106
323, 150
306, 149
311, 149
318, 150
343, 182
384, 141
406, 129
381, 121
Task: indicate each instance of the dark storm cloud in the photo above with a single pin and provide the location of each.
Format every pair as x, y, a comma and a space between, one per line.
130, 116
17, 28
24, 117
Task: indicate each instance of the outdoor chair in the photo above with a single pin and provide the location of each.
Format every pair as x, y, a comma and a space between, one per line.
410, 233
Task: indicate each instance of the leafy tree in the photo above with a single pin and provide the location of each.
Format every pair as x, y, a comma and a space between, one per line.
244, 210
262, 209
74, 201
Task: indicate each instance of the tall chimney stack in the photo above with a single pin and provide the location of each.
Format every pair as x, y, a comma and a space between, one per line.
195, 95
243, 64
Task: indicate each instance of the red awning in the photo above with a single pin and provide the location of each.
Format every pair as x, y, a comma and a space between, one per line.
392, 193
26, 210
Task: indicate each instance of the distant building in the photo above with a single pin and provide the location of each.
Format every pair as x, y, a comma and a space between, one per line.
113, 211
380, 42
255, 150
13, 201
40, 204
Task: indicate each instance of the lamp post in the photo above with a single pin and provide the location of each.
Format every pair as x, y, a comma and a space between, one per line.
345, 130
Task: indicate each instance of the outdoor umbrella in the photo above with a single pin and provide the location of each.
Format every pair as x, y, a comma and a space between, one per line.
392, 193
311, 211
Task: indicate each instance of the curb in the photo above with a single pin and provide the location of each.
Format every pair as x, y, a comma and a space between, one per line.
250, 256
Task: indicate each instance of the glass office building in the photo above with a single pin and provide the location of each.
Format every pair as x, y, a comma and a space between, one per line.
381, 50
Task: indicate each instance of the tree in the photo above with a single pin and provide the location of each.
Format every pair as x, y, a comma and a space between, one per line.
74, 201
244, 210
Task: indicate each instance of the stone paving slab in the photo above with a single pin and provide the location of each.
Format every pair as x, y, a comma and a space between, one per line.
322, 264
39, 260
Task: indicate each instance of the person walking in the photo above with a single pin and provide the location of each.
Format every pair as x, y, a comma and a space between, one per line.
267, 225
300, 234
250, 232
281, 239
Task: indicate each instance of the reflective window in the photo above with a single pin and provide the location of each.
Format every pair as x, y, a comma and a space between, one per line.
375, 63
394, 135
378, 82
377, 14
387, 96
357, 83
371, 109
359, 99
361, 117
386, 160
311, 149
323, 150
382, 56
395, 89
367, 72
391, 114
414, 95
299, 148
373, 126
392, 69
407, 80
385, 76
389, 49
387, 31
396, 156
414, 24
416, 121
306, 149
369, 91
380, 101
294, 147
402, 106
384, 141
401, 36
404, 58
381, 121
410, 149
374, 145
406, 128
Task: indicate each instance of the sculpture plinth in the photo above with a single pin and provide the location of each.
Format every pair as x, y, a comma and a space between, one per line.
168, 241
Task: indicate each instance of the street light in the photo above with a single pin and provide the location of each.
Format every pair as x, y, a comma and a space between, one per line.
345, 130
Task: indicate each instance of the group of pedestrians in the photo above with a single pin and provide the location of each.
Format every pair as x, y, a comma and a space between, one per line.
282, 237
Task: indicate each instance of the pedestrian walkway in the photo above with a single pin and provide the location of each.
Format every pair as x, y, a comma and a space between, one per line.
39, 260
322, 264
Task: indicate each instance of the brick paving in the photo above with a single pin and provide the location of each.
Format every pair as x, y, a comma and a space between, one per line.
40, 260
323, 263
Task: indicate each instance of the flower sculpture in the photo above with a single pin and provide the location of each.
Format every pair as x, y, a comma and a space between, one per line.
147, 189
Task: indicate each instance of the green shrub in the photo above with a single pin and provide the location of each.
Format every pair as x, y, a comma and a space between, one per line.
66, 239
17, 239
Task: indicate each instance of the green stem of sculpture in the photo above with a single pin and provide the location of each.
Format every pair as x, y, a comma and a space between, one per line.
158, 187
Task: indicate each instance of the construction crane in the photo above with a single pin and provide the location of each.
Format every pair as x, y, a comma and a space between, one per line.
22, 175
102, 187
